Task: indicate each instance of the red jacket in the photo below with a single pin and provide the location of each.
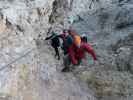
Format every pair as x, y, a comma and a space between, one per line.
78, 53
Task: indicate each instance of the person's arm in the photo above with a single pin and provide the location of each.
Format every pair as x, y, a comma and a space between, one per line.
47, 38
61, 36
90, 50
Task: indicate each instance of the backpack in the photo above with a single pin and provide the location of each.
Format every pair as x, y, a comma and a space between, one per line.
69, 40
55, 40
77, 40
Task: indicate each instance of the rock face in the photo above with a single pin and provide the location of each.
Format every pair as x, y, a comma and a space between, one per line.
28, 71
19, 25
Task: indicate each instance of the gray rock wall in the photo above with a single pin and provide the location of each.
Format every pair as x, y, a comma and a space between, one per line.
23, 26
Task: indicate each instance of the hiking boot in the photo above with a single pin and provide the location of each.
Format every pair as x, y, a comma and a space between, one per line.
66, 69
55, 55
58, 58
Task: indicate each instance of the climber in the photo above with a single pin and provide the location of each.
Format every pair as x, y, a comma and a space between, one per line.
66, 59
55, 43
76, 52
76, 55
67, 40
84, 38
67, 43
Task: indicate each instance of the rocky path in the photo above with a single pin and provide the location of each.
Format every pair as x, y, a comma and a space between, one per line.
55, 85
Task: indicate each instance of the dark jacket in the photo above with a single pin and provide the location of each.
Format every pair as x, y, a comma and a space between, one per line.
55, 42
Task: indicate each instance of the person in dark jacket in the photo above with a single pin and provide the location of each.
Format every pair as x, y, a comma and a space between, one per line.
55, 43
84, 38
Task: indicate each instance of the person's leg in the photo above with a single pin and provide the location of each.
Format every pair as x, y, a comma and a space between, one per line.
57, 52
66, 62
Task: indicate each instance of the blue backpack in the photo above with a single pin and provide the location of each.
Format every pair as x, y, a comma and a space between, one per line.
69, 40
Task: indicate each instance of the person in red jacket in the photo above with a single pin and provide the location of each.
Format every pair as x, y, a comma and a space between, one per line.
76, 52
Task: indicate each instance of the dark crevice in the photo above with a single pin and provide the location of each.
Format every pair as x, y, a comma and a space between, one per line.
55, 14
8, 23
124, 25
20, 28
